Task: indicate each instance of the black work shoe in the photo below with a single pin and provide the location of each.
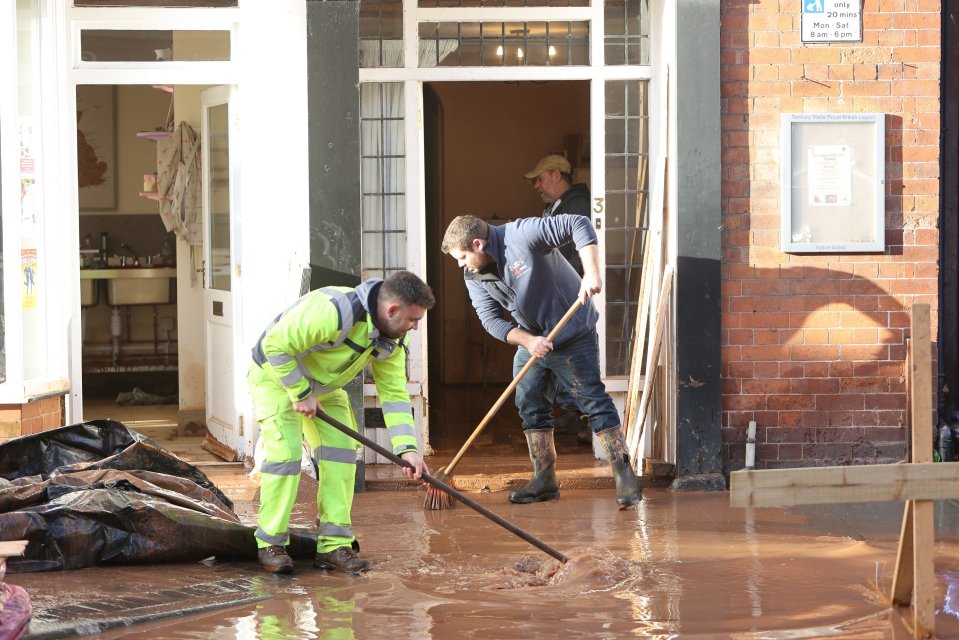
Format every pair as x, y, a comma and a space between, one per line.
341, 559
275, 559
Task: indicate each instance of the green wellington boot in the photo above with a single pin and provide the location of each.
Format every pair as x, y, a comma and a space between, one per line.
628, 490
542, 486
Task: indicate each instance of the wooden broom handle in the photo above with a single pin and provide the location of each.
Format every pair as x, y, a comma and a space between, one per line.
512, 385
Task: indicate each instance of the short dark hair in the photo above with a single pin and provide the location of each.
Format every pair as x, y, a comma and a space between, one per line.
568, 177
461, 233
406, 288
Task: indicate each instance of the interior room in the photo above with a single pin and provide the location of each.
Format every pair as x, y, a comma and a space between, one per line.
479, 140
128, 260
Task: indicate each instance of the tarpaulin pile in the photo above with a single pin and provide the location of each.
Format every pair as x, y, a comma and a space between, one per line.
99, 493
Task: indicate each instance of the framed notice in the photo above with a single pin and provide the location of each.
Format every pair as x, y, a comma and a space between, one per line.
833, 183
97, 147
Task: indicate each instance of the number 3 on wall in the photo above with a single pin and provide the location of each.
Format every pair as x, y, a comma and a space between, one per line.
597, 211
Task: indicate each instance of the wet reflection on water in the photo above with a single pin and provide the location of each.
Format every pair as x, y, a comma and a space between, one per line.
682, 565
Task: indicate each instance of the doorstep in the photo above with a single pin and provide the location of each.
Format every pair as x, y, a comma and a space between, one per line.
499, 473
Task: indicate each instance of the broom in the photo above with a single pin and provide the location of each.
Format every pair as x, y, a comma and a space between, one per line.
437, 499
472, 504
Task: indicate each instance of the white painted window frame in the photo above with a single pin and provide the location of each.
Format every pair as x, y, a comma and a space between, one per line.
57, 250
662, 42
76, 71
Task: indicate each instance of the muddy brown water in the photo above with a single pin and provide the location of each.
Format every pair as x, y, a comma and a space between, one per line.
681, 565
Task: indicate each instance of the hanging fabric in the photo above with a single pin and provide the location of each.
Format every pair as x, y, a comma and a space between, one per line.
178, 183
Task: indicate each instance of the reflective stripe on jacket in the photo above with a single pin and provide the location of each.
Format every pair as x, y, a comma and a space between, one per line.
325, 339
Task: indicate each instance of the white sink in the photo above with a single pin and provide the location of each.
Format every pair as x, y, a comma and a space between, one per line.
89, 292
137, 285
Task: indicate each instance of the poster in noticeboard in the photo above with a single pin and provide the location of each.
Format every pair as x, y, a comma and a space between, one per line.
833, 183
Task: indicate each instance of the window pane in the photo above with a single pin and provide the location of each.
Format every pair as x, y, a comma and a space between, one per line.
156, 3
104, 45
31, 260
503, 3
219, 198
626, 25
501, 44
627, 183
382, 178
381, 33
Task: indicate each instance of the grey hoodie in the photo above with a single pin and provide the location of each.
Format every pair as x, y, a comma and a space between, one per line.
531, 279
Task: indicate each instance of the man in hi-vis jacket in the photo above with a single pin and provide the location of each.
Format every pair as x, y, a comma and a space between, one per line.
300, 364
517, 266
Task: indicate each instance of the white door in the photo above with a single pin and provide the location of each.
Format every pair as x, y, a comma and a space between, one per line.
220, 260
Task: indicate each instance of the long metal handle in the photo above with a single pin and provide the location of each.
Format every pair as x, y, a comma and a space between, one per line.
448, 469
336, 424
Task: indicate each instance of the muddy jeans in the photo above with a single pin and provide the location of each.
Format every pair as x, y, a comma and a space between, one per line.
575, 367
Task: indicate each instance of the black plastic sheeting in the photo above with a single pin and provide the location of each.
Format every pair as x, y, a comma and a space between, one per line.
99, 493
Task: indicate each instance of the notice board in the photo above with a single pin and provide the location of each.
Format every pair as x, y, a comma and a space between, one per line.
833, 182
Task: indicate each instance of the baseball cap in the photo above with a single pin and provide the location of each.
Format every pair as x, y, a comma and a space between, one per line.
549, 162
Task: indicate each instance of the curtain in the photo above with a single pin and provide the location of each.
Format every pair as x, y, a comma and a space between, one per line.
383, 149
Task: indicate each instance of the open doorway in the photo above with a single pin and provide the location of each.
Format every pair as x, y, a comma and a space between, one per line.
127, 260
479, 140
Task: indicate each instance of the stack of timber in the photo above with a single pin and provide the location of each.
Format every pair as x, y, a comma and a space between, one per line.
652, 382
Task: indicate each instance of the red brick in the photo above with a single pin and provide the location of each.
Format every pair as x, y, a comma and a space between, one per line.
767, 370
815, 385
765, 386
744, 402
838, 402
791, 402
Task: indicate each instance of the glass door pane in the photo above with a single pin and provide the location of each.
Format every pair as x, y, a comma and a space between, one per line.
219, 198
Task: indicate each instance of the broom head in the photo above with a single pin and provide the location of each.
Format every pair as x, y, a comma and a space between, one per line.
437, 499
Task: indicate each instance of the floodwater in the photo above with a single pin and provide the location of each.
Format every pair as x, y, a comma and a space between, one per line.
681, 565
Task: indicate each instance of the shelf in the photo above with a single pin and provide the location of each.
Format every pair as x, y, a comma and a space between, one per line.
153, 135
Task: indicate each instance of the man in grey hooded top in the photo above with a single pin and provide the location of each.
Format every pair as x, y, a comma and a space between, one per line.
517, 266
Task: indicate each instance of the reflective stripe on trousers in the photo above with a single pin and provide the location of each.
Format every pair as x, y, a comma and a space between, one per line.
282, 430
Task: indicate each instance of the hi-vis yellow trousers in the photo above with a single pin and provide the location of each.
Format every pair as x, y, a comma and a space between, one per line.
281, 431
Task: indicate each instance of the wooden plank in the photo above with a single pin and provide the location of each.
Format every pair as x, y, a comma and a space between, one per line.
219, 449
12, 548
639, 338
920, 390
902, 578
923, 534
831, 485
924, 585
652, 357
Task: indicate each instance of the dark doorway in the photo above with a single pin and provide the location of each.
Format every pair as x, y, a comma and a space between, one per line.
479, 140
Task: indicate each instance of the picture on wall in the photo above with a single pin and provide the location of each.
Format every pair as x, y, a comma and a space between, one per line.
96, 147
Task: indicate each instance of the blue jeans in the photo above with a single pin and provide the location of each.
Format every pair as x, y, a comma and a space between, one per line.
574, 367
565, 399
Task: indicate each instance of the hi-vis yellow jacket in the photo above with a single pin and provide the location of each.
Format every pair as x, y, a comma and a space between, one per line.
325, 339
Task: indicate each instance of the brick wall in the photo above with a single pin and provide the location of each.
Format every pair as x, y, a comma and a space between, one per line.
814, 345
22, 420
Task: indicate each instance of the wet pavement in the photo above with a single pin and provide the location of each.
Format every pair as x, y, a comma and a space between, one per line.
681, 565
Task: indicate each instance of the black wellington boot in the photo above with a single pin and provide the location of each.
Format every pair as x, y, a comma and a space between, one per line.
542, 486
628, 490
